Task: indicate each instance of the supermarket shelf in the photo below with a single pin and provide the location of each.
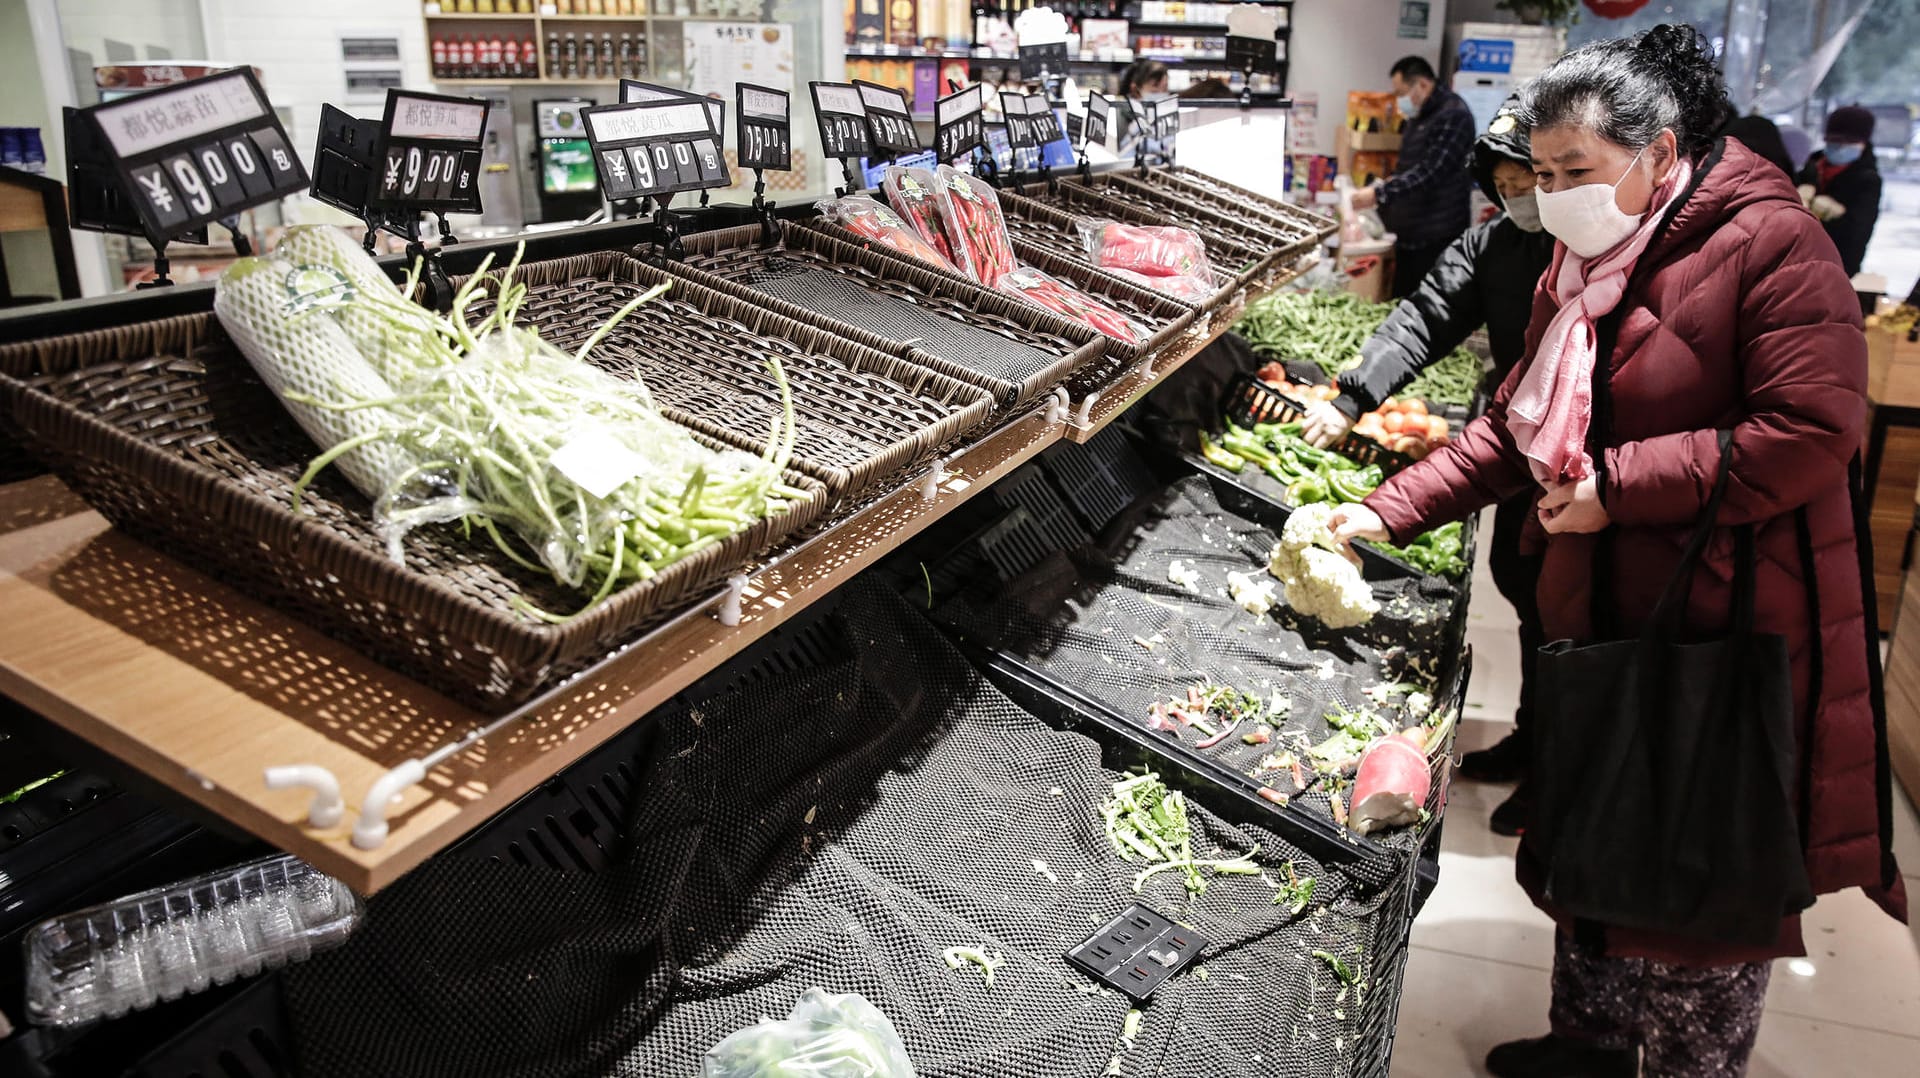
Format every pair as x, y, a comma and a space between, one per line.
863, 52
510, 81
200, 687
449, 16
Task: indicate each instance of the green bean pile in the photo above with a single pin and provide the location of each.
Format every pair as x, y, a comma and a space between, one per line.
1328, 328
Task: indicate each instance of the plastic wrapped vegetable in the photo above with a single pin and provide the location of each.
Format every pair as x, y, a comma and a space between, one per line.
1179, 285
1155, 250
914, 194
868, 219
976, 226
825, 1036
1069, 302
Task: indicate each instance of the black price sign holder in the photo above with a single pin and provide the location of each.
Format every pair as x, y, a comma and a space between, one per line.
179, 158
842, 116
959, 126
1045, 63
655, 150
889, 120
1094, 129
765, 140
421, 156
1045, 125
1161, 127
634, 91
1249, 55
1020, 132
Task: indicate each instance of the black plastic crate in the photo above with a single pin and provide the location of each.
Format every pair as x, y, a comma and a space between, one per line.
1249, 401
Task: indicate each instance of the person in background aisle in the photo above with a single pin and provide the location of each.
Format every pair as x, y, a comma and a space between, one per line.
1841, 184
1761, 136
1486, 277
1425, 201
1690, 295
1142, 80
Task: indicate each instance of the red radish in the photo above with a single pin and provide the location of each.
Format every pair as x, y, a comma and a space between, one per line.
1392, 785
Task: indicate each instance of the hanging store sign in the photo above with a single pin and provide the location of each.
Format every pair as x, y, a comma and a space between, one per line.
647, 149
1098, 125
197, 151
1040, 61
766, 127
1020, 133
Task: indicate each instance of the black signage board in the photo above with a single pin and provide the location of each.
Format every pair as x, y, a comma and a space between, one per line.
195, 152
344, 158
645, 149
1253, 54
766, 127
634, 91
1040, 61
95, 201
1044, 121
1099, 122
889, 119
958, 127
1020, 133
842, 116
429, 153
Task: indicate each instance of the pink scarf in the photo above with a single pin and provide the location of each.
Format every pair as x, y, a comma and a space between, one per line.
1553, 404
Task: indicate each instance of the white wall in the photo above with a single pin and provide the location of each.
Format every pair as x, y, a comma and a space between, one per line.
1344, 45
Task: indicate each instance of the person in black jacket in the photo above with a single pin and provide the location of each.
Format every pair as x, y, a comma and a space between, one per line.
1841, 184
1425, 202
1486, 277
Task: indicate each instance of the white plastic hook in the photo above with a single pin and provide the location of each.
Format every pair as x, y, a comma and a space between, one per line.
371, 829
730, 603
930, 487
327, 806
1086, 409
1061, 407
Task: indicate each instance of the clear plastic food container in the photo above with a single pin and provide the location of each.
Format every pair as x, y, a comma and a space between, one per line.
133, 952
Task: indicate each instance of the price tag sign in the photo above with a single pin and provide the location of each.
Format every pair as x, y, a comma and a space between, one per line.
648, 148
958, 128
766, 127
197, 151
633, 91
1253, 54
1044, 121
1039, 61
842, 116
429, 157
1166, 119
889, 119
1099, 123
1020, 135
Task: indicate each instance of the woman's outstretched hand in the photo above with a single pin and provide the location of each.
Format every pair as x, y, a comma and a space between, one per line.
1574, 509
1350, 522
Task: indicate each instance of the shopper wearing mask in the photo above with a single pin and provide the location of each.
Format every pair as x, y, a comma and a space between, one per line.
1841, 184
1486, 277
1691, 304
1425, 201
1143, 80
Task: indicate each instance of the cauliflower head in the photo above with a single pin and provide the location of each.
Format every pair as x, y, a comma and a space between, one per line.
1320, 583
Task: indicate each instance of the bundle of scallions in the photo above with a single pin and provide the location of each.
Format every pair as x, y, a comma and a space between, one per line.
567, 469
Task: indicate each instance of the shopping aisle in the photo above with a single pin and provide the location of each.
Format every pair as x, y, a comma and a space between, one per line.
1481, 952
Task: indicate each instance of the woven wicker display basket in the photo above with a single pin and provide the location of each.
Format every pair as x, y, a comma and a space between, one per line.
1040, 220
925, 316
1162, 318
862, 415
1217, 194
1279, 242
167, 431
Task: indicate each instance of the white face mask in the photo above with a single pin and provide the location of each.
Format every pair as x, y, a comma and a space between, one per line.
1524, 211
1586, 218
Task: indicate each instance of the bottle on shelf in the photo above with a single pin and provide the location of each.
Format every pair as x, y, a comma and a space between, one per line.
625, 70
438, 51
553, 54
529, 58
483, 7
607, 70
468, 63
510, 59
524, 7
570, 56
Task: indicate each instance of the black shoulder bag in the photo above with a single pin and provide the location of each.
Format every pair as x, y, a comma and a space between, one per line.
1664, 769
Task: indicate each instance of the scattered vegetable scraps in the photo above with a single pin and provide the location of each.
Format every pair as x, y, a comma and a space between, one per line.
1147, 822
955, 957
1296, 893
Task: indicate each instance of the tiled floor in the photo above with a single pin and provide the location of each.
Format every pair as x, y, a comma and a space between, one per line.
1481, 952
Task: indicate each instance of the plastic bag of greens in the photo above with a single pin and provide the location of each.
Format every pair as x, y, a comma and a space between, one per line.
826, 1036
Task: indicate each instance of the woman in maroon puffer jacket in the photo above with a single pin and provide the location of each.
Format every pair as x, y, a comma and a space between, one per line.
1689, 293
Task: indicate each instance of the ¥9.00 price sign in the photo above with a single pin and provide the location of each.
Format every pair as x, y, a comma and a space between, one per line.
889, 119
1041, 117
429, 155
958, 125
645, 149
765, 118
198, 151
1099, 121
842, 116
